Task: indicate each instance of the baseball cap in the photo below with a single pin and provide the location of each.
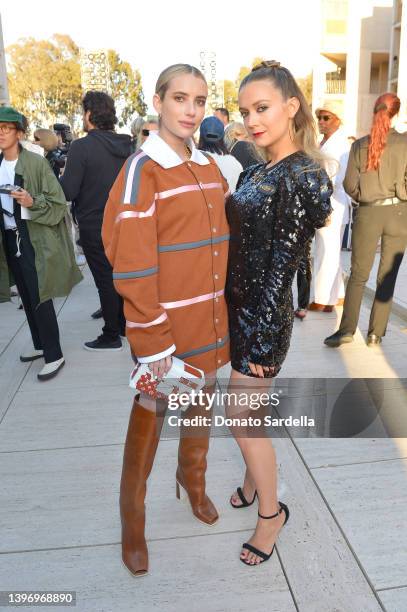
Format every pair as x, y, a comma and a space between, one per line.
212, 129
10, 115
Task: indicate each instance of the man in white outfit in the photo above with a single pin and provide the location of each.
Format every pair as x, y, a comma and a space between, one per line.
329, 289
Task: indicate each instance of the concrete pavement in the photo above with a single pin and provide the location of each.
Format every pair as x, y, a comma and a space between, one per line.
61, 444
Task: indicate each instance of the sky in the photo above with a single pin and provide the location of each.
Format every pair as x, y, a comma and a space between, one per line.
153, 36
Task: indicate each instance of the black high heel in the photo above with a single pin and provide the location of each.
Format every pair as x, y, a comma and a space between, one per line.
244, 501
255, 550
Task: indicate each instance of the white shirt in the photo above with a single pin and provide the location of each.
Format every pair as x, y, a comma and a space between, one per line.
336, 148
229, 167
7, 176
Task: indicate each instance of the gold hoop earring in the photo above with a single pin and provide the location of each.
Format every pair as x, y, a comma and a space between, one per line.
291, 130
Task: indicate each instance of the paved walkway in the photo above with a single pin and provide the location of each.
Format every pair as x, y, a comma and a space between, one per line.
61, 444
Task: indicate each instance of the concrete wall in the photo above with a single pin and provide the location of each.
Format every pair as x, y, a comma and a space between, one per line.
368, 30
4, 97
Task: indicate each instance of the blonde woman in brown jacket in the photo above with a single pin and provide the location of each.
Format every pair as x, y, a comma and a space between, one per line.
166, 236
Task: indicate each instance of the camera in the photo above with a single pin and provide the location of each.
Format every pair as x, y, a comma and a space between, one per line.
57, 157
7, 189
64, 131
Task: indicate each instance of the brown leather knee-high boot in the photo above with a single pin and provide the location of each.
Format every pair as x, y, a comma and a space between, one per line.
192, 451
142, 439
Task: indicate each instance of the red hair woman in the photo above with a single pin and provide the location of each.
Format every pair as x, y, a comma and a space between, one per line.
376, 180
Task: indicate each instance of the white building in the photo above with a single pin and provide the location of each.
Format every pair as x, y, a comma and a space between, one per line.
398, 59
4, 97
353, 63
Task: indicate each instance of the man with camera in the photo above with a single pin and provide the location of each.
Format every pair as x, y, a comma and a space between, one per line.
92, 166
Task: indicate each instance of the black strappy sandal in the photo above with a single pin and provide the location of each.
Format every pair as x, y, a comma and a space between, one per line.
244, 501
255, 550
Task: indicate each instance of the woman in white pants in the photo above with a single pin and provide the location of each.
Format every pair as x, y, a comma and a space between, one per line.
329, 289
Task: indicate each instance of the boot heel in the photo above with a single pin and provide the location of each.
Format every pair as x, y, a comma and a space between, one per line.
180, 492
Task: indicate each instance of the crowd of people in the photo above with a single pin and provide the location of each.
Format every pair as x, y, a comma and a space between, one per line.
194, 248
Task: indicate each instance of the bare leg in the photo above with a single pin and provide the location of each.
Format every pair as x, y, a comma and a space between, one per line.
260, 459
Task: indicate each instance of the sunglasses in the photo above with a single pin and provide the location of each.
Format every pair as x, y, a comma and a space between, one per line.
324, 117
145, 132
7, 129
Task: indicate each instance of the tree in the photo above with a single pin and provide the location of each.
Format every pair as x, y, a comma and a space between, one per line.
44, 78
230, 96
126, 88
45, 82
305, 84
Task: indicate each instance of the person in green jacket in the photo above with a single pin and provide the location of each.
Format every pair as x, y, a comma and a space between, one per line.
36, 252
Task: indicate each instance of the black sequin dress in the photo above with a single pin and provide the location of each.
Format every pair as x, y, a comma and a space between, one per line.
272, 215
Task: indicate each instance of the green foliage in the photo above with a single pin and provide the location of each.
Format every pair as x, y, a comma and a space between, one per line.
231, 88
230, 96
44, 78
126, 88
45, 82
305, 84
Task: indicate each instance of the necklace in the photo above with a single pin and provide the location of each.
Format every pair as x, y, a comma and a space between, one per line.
188, 151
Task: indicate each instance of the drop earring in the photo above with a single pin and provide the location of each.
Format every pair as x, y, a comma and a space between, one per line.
291, 130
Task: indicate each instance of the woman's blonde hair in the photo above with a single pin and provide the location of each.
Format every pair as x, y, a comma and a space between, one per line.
304, 132
170, 73
135, 128
231, 132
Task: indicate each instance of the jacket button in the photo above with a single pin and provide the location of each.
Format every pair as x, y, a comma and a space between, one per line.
216, 253
210, 206
216, 276
214, 229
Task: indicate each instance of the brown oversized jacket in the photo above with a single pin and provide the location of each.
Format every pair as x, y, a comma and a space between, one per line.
166, 235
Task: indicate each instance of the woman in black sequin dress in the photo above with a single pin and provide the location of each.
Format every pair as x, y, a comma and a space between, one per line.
272, 215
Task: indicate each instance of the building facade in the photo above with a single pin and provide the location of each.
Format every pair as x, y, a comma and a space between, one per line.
4, 97
353, 65
398, 59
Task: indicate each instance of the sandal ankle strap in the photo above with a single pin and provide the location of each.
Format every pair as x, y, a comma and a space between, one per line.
270, 517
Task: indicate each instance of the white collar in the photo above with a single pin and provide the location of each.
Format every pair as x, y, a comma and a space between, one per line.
156, 148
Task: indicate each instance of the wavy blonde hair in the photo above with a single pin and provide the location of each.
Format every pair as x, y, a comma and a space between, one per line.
170, 73
304, 128
231, 130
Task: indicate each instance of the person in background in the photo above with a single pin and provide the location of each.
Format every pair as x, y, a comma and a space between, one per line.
92, 166
211, 141
238, 144
222, 114
150, 126
329, 288
376, 180
35, 248
26, 143
304, 277
48, 140
136, 128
